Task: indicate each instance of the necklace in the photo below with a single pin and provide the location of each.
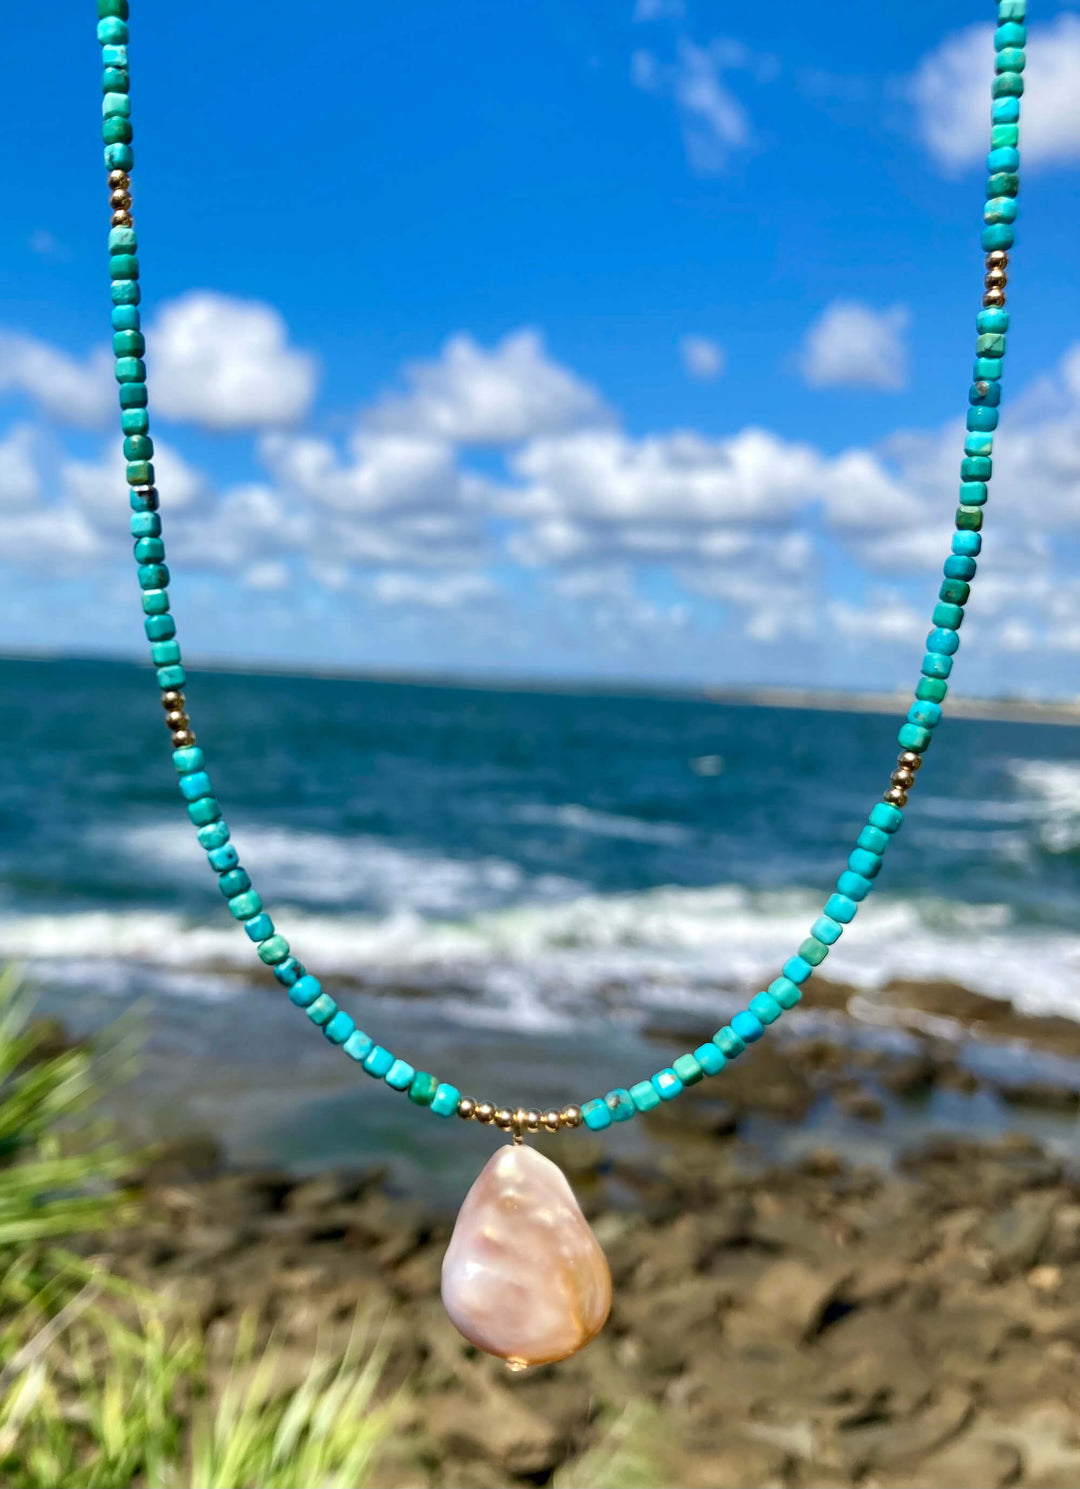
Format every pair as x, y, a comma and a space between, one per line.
524, 1277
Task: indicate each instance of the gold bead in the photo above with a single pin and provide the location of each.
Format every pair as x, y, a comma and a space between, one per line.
120, 201
176, 718
171, 699
532, 1120
551, 1121
120, 219
997, 258
908, 760
485, 1112
896, 797
905, 779
182, 738
996, 279
994, 299
571, 1116
504, 1118
466, 1108
119, 181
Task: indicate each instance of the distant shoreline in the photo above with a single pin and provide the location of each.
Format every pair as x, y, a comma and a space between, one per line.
829, 700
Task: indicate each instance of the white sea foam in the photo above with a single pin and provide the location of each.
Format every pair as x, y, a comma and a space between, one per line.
605, 824
1052, 788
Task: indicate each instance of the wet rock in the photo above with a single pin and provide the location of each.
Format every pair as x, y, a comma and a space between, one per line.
498, 1428
1044, 1096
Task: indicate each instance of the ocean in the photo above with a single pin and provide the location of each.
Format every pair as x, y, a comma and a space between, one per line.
513, 888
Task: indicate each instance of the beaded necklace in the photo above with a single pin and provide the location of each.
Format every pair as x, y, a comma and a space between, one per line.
524, 1278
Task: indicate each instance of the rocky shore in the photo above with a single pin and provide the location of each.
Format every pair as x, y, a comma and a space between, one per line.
811, 1323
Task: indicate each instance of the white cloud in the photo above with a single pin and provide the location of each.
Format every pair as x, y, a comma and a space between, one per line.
701, 357
714, 123
854, 346
433, 591
226, 364
950, 88
49, 540
73, 392
99, 487
472, 396
659, 10
20, 482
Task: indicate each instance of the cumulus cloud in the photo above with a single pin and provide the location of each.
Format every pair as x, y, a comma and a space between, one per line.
949, 87
473, 396
227, 364
73, 392
702, 357
433, 591
852, 345
714, 124
20, 481
659, 10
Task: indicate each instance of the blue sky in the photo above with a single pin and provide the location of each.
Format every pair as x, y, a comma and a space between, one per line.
605, 340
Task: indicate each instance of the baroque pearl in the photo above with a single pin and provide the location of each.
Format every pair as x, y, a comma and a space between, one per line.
524, 1277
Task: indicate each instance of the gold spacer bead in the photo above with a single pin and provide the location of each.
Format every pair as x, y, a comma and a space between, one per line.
504, 1118
532, 1120
176, 718
995, 279
119, 181
905, 779
908, 760
551, 1120
997, 258
120, 201
182, 738
994, 299
485, 1112
571, 1116
171, 698
466, 1108
121, 219
895, 796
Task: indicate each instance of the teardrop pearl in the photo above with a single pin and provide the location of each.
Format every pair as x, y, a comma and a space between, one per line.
524, 1277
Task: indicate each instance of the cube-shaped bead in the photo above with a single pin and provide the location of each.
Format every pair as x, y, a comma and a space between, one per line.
171, 677
596, 1114
688, 1069
400, 1075
874, 840
213, 835
709, 1058
747, 1026
289, 971
358, 1046
825, 928
932, 689
728, 1042
785, 992
159, 627
322, 1010
840, 907
445, 1101
194, 785
914, 737
339, 1028
620, 1104
422, 1088
164, 653
865, 862
233, 882
644, 1096
244, 906
969, 545
855, 886
223, 859
667, 1084
797, 968
936, 665
813, 951
927, 715
969, 519
259, 928
955, 591
765, 1008
188, 759
377, 1061
884, 815
305, 990
273, 950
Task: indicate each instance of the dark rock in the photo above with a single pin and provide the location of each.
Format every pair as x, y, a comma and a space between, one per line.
1045, 1096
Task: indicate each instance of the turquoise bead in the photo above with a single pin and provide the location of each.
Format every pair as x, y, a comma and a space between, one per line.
914, 737
955, 591
400, 1075
797, 968
709, 1058
116, 130
825, 928
785, 992
155, 601
688, 1069
359, 1045
159, 627
116, 103
194, 785
928, 715
378, 1060
1010, 59
112, 31
130, 370
445, 1101
747, 1026
1007, 85
985, 392
977, 443
235, 882
969, 519
1003, 160
115, 80
863, 861
855, 886
841, 907
1002, 183
873, 839
931, 689
667, 1085
163, 653
644, 1096
221, 860
114, 56
947, 617
144, 524
982, 418
134, 420
1000, 209
138, 447
245, 906
149, 550
944, 640
884, 815
976, 468
322, 1010
125, 292
259, 928
992, 318
935, 664
273, 950
966, 544
189, 758
304, 991
814, 951
1005, 110
171, 677
118, 157
990, 344
621, 1104
213, 835
124, 318
117, 8
122, 240
728, 1042
123, 266
1004, 134
986, 369
289, 971
133, 395
422, 1088
765, 1008
140, 473
596, 1114
1012, 10
1000, 235
340, 1027
1011, 34
143, 500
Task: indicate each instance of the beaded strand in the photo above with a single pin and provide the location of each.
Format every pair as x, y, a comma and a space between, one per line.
885, 818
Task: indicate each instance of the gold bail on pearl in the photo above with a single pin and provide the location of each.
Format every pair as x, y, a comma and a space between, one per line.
524, 1277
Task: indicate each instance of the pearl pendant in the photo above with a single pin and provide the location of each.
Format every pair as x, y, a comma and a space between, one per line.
524, 1277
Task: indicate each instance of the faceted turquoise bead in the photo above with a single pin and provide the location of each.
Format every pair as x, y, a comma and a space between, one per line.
825, 928
155, 601
118, 157
125, 292
123, 266
644, 1096
955, 591
976, 468
244, 906
194, 785
1000, 209
948, 617
130, 370
122, 240
840, 907
785, 992
765, 1008
189, 758
304, 992
855, 886
990, 344
144, 524
797, 968
982, 418
400, 1075
967, 544
1005, 110
1000, 235
359, 1045
171, 677
159, 627
814, 951
728, 1042
934, 664
340, 1027
747, 1026
914, 737
667, 1085
260, 927
884, 815
1002, 183
621, 1104
112, 31
688, 1069
149, 550
1010, 59
221, 860
322, 1010
943, 639
422, 1088
445, 1101
289, 971
931, 689
596, 1114
235, 882
1011, 34
113, 104
709, 1058
862, 861
873, 839
1007, 85
274, 949
378, 1060
213, 835
134, 420
928, 715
